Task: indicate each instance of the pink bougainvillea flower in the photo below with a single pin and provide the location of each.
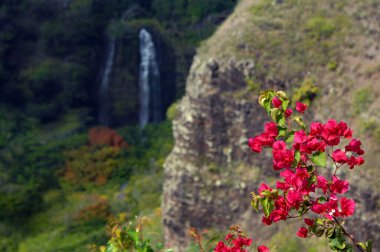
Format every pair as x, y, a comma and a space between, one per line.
255, 144
339, 186
262, 248
228, 237
347, 206
344, 130
301, 107
316, 128
302, 232
276, 102
282, 158
354, 146
288, 112
322, 183
309, 222
265, 139
355, 161
339, 156
271, 129
266, 220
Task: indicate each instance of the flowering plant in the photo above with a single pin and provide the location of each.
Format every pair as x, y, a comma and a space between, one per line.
301, 155
307, 186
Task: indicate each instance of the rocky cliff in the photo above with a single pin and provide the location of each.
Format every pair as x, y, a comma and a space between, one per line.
270, 44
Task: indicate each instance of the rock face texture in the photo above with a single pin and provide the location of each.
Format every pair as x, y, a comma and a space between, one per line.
210, 173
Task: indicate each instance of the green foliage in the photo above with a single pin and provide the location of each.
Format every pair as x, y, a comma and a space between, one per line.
362, 100
51, 86
319, 158
253, 86
332, 65
127, 238
172, 111
306, 93
190, 11
319, 27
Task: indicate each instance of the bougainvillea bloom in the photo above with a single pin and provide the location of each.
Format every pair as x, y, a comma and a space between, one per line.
276, 102
300, 154
288, 112
339, 156
300, 107
262, 248
302, 232
309, 222
347, 207
282, 158
339, 186
354, 146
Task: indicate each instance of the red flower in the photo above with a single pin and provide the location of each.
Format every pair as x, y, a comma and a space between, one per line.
228, 237
347, 206
322, 183
316, 128
276, 102
262, 248
282, 158
266, 220
354, 146
309, 222
255, 144
300, 107
339, 186
355, 161
266, 138
302, 232
288, 112
339, 156
271, 129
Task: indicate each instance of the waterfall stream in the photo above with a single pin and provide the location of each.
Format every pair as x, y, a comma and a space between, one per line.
149, 82
103, 91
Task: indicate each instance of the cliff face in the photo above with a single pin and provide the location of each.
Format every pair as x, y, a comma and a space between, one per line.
210, 172
204, 180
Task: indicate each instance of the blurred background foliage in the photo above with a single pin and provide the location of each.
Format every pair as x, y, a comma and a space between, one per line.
57, 189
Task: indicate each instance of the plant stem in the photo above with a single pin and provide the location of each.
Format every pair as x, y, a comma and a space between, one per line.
349, 236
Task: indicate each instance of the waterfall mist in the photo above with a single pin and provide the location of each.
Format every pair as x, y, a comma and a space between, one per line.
149, 82
103, 91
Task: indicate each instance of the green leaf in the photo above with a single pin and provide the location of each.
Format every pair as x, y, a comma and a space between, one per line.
281, 131
297, 155
266, 193
329, 232
337, 243
362, 245
268, 206
255, 203
278, 116
300, 122
319, 158
265, 99
284, 104
369, 245
289, 137
266, 106
319, 231
321, 199
312, 179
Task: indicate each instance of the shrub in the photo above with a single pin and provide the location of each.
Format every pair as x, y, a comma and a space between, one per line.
307, 92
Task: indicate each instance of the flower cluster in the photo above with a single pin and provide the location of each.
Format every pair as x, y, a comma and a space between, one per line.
300, 154
237, 241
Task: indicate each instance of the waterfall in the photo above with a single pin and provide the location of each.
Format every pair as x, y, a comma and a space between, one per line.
103, 91
149, 82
